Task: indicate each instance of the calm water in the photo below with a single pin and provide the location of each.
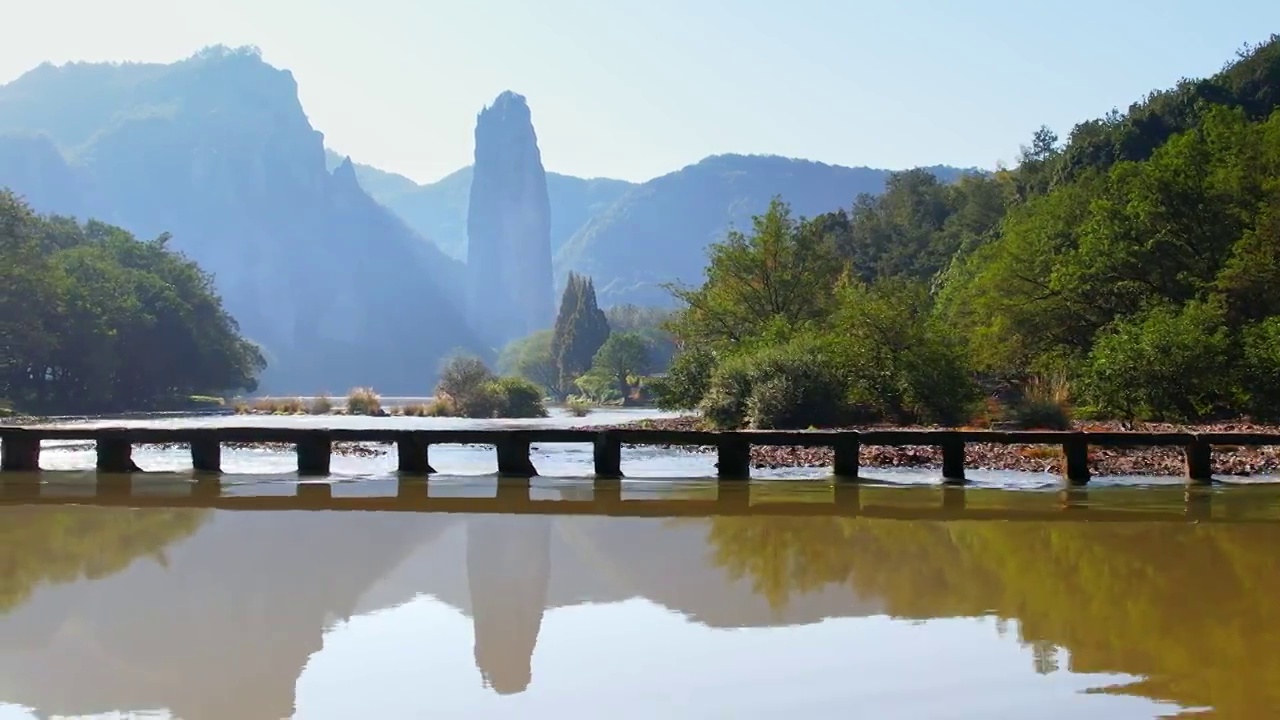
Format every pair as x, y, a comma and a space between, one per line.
682, 599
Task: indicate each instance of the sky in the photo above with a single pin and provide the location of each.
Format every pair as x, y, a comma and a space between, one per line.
634, 89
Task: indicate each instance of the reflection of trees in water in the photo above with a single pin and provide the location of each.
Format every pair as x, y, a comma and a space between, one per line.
1191, 607
59, 545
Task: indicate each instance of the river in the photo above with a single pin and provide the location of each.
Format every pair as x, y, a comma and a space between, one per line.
899, 599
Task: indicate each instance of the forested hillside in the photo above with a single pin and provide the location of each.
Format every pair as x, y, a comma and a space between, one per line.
1130, 271
92, 320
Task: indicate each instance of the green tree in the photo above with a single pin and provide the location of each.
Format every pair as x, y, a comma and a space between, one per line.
581, 328
94, 320
775, 275
622, 357
531, 358
1168, 363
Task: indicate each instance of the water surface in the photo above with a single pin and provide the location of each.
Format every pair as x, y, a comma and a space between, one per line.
777, 598
663, 595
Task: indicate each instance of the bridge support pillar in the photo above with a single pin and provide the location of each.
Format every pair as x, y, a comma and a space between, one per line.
115, 455
608, 455
315, 452
733, 461
953, 461
1075, 458
1199, 463
414, 455
20, 454
845, 466
513, 456
206, 455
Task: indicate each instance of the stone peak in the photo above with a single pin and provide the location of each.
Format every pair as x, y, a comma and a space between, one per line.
345, 173
509, 105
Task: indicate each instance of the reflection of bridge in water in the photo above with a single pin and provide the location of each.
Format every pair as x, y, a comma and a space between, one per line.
222, 624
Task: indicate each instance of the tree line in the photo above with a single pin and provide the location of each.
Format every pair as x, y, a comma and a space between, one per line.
94, 320
1134, 269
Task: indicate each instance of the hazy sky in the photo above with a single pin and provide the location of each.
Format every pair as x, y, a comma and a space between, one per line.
637, 88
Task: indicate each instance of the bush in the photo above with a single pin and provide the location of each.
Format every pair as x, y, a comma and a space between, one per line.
440, 407
1044, 404
687, 380
1166, 363
321, 406
279, 406
577, 407
363, 401
1261, 365
467, 388
515, 397
797, 385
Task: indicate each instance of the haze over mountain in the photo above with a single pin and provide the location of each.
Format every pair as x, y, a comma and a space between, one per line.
438, 210
340, 290
217, 150
632, 237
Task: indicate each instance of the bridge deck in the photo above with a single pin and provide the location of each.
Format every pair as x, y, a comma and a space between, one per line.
21, 445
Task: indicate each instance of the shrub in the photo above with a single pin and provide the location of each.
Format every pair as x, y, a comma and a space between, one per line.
1167, 363
515, 397
363, 401
280, 406
797, 385
1261, 365
240, 407
1044, 404
321, 406
577, 407
441, 407
687, 380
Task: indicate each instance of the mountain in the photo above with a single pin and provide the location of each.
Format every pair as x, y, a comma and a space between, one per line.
380, 184
217, 151
508, 226
438, 210
658, 232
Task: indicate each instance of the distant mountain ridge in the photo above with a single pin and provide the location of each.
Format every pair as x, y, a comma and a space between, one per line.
438, 210
632, 237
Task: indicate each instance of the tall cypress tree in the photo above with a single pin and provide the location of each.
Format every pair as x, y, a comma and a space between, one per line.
581, 328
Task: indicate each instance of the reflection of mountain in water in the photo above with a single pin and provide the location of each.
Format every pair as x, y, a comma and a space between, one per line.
215, 614
225, 625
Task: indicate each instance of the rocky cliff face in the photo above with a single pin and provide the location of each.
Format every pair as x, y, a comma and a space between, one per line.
509, 291
217, 150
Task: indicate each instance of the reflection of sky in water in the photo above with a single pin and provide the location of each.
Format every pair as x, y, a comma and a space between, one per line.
417, 615
366, 615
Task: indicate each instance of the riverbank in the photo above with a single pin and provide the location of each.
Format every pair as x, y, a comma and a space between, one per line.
1167, 461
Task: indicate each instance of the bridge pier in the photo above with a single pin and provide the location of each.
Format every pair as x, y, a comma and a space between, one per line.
608, 455
115, 455
315, 451
20, 454
1075, 458
414, 455
1199, 463
953, 461
206, 455
845, 466
513, 456
733, 461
